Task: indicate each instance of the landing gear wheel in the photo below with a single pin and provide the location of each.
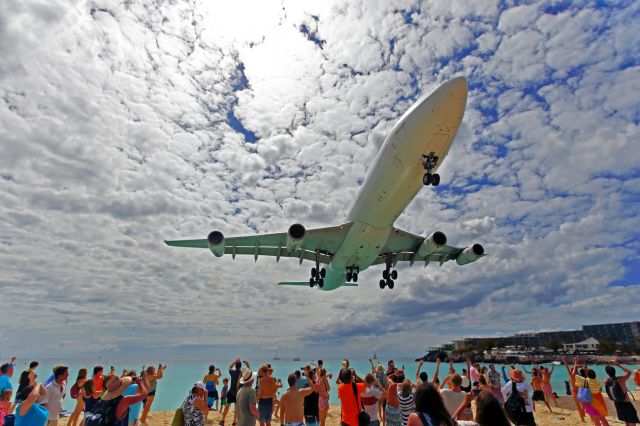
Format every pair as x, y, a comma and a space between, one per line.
383, 284
390, 284
385, 274
355, 277
426, 179
314, 272
311, 282
323, 272
349, 277
394, 275
435, 179
321, 283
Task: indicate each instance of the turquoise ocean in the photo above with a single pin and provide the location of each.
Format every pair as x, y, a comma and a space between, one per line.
180, 375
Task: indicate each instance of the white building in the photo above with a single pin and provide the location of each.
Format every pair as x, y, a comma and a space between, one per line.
589, 345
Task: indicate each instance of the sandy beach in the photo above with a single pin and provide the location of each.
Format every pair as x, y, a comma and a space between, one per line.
566, 415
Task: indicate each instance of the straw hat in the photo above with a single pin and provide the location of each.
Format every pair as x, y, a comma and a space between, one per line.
517, 376
380, 368
247, 376
116, 386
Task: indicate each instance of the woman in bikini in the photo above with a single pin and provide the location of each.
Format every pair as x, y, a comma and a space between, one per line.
78, 390
323, 400
152, 377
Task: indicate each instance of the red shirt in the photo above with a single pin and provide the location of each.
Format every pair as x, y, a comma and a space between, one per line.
350, 408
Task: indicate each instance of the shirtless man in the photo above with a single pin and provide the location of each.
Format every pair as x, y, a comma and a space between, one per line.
292, 403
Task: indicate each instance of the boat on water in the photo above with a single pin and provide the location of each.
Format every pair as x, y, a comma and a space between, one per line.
296, 359
375, 355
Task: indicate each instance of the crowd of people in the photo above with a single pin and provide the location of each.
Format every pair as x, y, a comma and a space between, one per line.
102, 399
384, 396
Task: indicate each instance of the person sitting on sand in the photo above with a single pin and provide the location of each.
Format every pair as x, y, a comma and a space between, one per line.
624, 408
489, 411
430, 409
292, 403
194, 407
525, 391
30, 412
454, 397
597, 408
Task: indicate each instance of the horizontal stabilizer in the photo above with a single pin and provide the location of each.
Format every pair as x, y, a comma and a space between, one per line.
188, 243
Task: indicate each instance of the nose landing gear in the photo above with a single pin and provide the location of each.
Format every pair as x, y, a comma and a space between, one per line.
429, 162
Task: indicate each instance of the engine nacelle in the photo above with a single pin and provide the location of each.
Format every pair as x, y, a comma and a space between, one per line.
470, 254
432, 243
215, 241
295, 236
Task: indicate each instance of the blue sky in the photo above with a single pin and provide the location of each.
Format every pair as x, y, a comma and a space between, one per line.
124, 125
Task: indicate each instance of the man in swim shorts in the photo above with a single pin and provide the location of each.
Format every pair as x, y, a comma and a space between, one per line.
292, 403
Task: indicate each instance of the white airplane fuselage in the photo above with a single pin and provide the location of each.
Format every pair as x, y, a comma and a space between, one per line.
428, 127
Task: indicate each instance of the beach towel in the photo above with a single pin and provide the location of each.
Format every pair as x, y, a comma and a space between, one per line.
178, 418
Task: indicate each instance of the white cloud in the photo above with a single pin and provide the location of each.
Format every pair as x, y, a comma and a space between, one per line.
119, 127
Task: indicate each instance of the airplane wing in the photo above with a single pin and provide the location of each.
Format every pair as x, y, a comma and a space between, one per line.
404, 246
326, 240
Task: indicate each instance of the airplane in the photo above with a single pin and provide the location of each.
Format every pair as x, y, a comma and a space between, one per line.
411, 153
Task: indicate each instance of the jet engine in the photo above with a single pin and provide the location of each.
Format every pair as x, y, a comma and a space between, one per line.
470, 254
432, 243
215, 241
295, 236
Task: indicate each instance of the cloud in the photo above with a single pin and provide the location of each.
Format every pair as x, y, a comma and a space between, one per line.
124, 125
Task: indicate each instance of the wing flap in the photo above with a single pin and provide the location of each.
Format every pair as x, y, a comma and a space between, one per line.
188, 243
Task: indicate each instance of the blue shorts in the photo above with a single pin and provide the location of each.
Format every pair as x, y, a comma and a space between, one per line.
265, 409
310, 420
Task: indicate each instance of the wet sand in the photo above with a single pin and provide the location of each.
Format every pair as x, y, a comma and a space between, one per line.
565, 415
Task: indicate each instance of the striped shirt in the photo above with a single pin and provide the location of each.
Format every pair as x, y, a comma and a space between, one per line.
407, 406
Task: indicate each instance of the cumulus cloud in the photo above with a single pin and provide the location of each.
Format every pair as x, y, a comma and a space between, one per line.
122, 125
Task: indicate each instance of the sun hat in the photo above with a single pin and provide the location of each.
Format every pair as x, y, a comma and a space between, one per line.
517, 376
380, 368
116, 386
199, 385
247, 376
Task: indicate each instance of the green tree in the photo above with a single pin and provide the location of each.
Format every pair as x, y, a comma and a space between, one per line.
555, 345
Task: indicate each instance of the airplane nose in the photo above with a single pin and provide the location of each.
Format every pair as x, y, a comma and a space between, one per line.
457, 87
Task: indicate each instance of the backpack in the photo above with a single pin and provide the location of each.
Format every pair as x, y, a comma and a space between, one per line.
614, 390
584, 393
75, 391
514, 406
363, 417
104, 413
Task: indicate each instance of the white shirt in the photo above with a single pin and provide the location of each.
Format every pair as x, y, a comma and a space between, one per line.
369, 400
452, 400
53, 403
521, 387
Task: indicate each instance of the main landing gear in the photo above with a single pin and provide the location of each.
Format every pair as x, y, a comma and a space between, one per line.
429, 162
352, 274
388, 276
317, 273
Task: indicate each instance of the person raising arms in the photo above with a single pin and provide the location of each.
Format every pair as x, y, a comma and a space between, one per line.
618, 393
152, 378
292, 403
211, 381
430, 409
